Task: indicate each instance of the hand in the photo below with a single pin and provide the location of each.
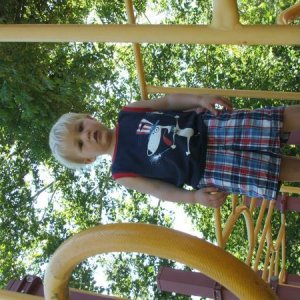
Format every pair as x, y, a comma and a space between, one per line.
210, 197
209, 101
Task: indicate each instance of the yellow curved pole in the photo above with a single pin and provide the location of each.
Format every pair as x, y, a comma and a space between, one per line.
158, 241
252, 205
267, 265
264, 233
289, 14
260, 219
272, 267
280, 243
282, 275
235, 199
218, 227
249, 225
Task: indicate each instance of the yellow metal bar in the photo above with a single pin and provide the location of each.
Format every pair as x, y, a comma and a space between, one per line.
133, 33
282, 275
236, 212
266, 263
225, 92
280, 236
289, 14
252, 205
277, 249
87, 293
269, 238
289, 189
276, 270
250, 233
234, 202
249, 224
130, 13
271, 271
225, 14
158, 241
294, 286
137, 53
231, 220
264, 233
259, 219
278, 244
218, 227
9, 295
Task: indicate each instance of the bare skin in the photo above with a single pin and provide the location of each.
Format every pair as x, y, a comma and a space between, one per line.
291, 118
290, 166
290, 169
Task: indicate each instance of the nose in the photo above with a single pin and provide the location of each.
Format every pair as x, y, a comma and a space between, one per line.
86, 134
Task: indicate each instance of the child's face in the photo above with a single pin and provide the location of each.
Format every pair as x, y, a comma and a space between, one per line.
87, 139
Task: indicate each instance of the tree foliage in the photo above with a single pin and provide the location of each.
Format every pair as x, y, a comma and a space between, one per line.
40, 81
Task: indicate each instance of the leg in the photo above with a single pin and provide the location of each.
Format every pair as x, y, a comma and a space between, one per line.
290, 169
291, 118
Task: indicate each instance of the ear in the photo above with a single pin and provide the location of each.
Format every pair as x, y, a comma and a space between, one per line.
89, 160
90, 117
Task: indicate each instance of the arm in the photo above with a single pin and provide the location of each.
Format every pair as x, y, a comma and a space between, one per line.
208, 197
184, 102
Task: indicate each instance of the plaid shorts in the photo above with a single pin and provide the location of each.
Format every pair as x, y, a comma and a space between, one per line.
243, 152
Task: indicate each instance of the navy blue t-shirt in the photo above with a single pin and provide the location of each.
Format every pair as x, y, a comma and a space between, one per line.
167, 145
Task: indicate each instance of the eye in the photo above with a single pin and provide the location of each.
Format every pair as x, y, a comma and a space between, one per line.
80, 127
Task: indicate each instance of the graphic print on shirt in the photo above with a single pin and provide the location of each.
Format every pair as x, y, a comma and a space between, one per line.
166, 135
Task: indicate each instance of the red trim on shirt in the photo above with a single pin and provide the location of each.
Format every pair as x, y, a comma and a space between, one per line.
116, 141
136, 109
124, 174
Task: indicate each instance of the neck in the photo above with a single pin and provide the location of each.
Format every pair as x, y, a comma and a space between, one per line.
111, 149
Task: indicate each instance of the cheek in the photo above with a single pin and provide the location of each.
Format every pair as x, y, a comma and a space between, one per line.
90, 149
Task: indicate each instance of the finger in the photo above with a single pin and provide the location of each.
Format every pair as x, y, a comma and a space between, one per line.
212, 109
210, 189
225, 102
222, 103
216, 196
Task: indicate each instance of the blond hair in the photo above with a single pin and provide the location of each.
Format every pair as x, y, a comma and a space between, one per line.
57, 137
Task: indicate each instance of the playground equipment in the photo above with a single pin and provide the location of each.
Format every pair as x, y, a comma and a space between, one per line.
157, 241
225, 28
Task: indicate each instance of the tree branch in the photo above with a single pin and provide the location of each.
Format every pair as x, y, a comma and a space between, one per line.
42, 190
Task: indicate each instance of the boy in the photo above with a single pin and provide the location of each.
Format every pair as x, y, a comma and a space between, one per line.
160, 145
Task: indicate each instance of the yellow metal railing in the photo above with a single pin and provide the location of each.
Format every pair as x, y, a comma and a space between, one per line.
259, 233
137, 53
289, 15
226, 19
